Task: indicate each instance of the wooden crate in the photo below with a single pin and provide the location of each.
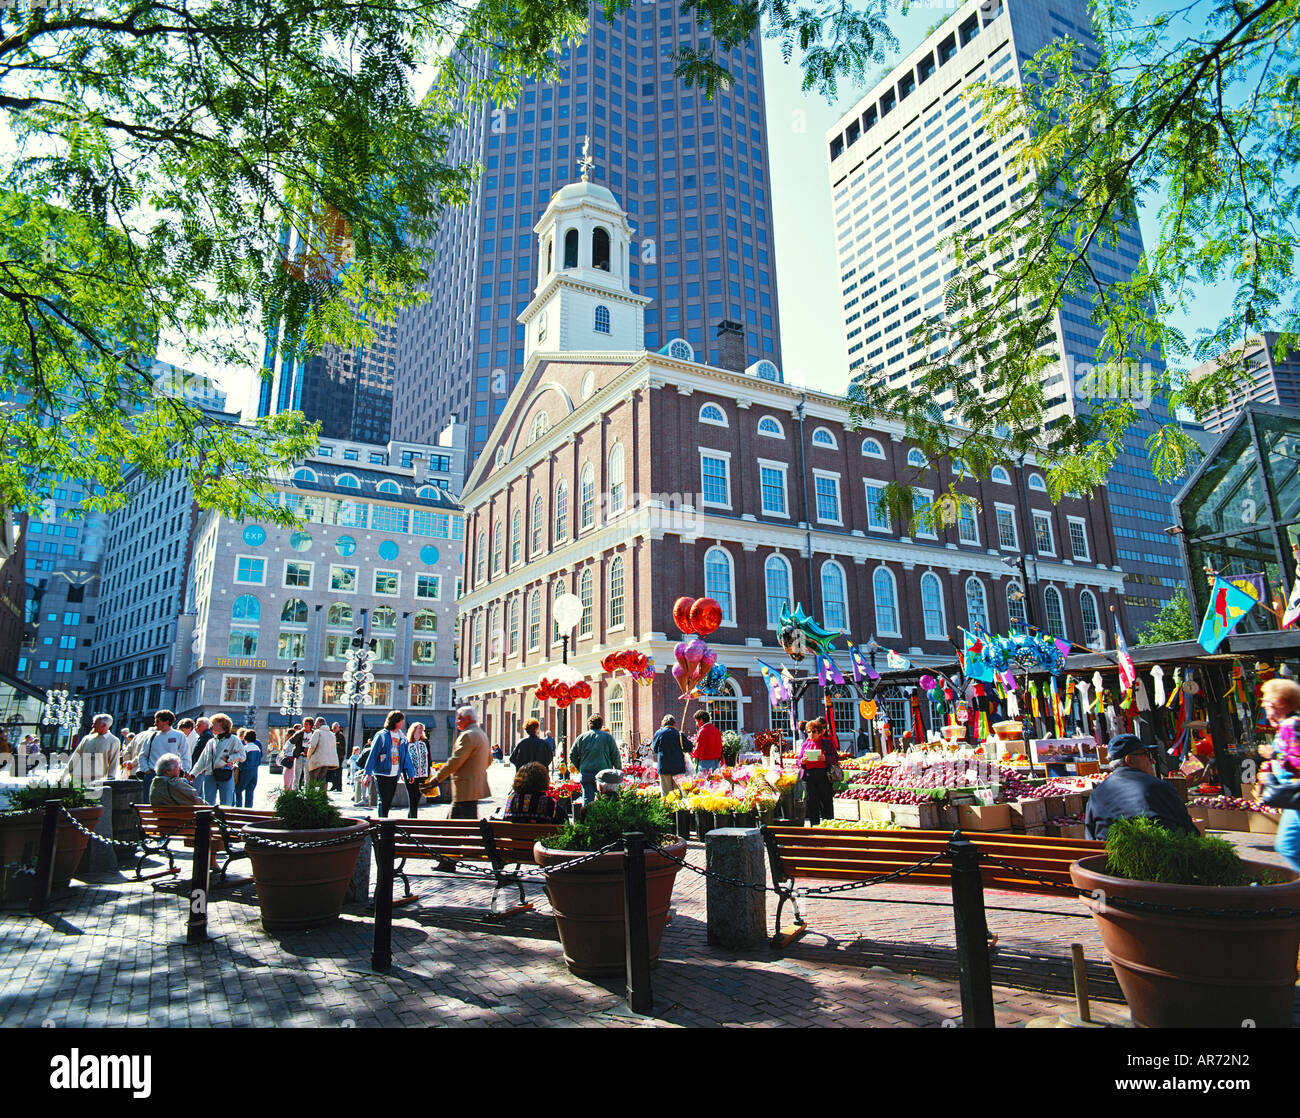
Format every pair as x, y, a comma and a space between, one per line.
1221, 820
870, 810
1199, 813
1055, 807
996, 817
1180, 784
846, 809
1262, 824
1074, 804
1066, 830
924, 817
1027, 813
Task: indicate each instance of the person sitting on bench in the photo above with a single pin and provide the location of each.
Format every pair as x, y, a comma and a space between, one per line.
169, 788
1133, 789
528, 802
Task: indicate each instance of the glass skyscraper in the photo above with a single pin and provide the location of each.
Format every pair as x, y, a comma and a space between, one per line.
692, 174
911, 160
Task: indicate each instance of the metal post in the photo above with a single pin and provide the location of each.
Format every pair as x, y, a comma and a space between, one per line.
636, 921
563, 715
972, 934
196, 930
45, 857
381, 955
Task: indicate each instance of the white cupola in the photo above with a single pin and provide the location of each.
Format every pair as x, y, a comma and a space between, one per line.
584, 299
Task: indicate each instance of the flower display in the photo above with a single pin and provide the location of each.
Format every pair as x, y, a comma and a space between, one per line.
564, 790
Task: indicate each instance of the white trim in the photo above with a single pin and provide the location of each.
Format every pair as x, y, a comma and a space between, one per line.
1005, 479
999, 506
984, 597
875, 605
1083, 523
386, 571
832, 445
870, 454
721, 421
310, 564
784, 469
943, 613
1041, 487
424, 598
923, 464
839, 498
923, 533
1034, 514
766, 434
356, 572
237, 581
844, 588
252, 688
725, 455
772, 626
867, 484
727, 619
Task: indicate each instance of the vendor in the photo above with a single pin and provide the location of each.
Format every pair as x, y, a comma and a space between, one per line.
1133, 789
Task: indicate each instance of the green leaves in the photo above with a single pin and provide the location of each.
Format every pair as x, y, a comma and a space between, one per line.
1172, 623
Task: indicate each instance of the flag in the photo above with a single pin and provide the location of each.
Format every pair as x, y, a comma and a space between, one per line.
1292, 614
977, 667
1127, 672
862, 668
778, 691
1251, 584
1228, 605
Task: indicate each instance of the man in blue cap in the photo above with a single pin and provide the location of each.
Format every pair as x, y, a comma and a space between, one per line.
1133, 789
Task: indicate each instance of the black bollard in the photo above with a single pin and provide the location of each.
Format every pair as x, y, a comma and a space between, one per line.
636, 921
45, 857
196, 930
972, 934
381, 955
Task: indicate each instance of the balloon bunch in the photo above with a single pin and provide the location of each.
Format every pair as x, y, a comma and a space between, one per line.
697, 615
637, 664
696, 618
562, 684
712, 685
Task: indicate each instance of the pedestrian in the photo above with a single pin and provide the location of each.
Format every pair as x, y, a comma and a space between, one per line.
1133, 789
249, 770
340, 751
291, 756
528, 801
355, 775
593, 752
322, 755
218, 764
186, 727
97, 754
389, 760
169, 788
148, 745
670, 747
467, 766
814, 759
417, 743
202, 735
532, 748
708, 743
1282, 708
863, 744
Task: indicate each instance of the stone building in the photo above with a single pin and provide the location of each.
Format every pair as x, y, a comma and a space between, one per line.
630, 478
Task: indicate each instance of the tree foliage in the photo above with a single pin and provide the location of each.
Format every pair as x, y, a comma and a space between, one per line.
1172, 623
1198, 109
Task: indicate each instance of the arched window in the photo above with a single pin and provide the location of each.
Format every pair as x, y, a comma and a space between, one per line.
588, 385
586, 598
960, 468
538, 526
347, 481
617, 490
294, 611
304, 473
614, 708
615, 596
495, 638
588, 497
480, 559
246, 608
776, 575
1037, 484
550, 255
713, 414
534, 620
389, 487
1092, 633
725, 709
1000, 475
680, 350
718, 580
340, 614
383, 619
426, 621
512, 628
477, 654
823, 437
917, 458
936, 628
428, 492
498, 547
516, 537
885, 590
561, 511
771, 428
538, 427
571, 249
601, 319
557, 591
1016, 605
871, 448
1055, 612
600, 248
835, 607
977, 610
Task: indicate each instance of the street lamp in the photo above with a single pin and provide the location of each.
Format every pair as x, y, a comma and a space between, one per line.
1022, 561
292, 704
357, 678
54, 713
567, 612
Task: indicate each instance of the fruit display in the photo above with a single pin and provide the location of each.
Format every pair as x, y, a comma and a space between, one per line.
860, 825
1232, 803
879, 794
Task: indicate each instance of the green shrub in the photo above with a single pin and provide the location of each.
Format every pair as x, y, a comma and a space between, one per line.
610, 818
32, 797
1140, 849
308, 810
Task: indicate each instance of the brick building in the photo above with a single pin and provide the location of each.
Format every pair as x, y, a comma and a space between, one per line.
630, 478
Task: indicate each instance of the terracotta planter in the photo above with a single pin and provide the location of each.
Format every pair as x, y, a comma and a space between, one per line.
1199, 971
20, 841
302, 888
588, 904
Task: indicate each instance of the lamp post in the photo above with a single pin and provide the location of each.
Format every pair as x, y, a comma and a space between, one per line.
1021, 561
567, 612
357, 679
52, 713
292, 704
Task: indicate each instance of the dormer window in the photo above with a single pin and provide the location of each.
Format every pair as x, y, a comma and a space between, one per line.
600, 249
390, 487
602, 320
538, 429
571, 249
680, 350
304, 474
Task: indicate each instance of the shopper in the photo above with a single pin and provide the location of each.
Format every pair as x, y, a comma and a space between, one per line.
814, 760
1133, 789
467, 766
418, 745
291, 757
389, 760
593, 752
670, 748
218, 764
96, 755
532, 748
322, 755
340, 751
1282, 708
249, 770
708, 743
528, 802
149, 745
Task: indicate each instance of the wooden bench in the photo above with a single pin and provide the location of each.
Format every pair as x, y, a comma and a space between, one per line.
498, 846
159, 825
799, 852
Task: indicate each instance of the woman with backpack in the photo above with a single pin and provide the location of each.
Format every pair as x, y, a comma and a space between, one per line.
390, 760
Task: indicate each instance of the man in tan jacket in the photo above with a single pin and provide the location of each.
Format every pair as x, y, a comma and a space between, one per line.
322, 754
467, 766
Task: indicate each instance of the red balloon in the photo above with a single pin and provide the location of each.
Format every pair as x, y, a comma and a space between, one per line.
608, 664
562, 703
583, 690
682, 614
706, 616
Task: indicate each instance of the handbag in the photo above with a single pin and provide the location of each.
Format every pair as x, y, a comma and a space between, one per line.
222, 775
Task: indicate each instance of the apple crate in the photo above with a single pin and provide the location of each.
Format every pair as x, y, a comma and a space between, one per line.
1180, 785
923, 817
1066, 830
994, 817
1055, 807
1199, 813
1262, 824
1027, 813
1074, 803
878, 813
1222, 820
846, 809
949, 819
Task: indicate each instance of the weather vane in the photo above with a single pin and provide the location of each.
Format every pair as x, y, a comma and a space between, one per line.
586, 163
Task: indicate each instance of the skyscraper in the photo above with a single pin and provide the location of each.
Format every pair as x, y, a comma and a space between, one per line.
350, 391
911, 160
1270, 382
692, 174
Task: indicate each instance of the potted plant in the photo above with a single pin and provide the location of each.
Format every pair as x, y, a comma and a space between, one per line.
1219, 967
732, 743
588, 901
20, 834
303, 887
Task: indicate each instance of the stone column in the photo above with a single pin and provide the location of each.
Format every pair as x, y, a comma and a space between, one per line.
359, 888
737, 918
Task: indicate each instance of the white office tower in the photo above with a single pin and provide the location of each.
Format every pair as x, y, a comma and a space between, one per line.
911, 161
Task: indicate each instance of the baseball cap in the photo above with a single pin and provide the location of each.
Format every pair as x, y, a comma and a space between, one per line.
1125, 745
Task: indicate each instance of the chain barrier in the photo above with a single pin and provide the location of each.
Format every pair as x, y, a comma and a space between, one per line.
445, 864
546, 871
893, 875
714, 875
136, 844
279, 844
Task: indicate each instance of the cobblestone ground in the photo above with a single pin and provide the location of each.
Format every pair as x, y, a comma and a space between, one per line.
869, 960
